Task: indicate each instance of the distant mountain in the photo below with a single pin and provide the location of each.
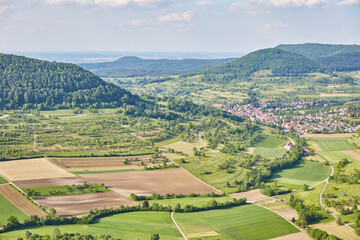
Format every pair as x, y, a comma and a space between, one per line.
330, 56
279, 62
28, 83
134, 66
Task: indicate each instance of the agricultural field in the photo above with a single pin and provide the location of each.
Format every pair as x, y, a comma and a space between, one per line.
268, 147
69, 205
333, 143
186, 147
269, 152
236, 223
48, 182
336, 156
135, 225
176, 181
7, 209
253, 195
2, 180
304, 172
343, 232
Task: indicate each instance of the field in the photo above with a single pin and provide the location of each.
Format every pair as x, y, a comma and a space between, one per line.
352, 154
269, 142
19, 201
46, 182
269, 152
186, 147
136, 225
304, 172
7, 209
269, 147
333, 144
35, 169
244, 222
80, 204
342, 232
2, 180
152, 181
336, 156
101, 163
252, 195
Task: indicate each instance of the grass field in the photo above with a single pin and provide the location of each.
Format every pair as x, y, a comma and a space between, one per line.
269, 142
304, 172
136, 225
245, 222
336, 156
2, 180
7, 210
333, 144
195, 201
269, 152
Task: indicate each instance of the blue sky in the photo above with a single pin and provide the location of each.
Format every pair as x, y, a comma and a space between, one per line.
174, 25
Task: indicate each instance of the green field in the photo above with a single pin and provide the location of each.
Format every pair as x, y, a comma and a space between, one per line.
304, 172
135, 225
195, 201
335, 157
64, 190
245, 222
269, 152
7, 210
269, 142
2, 180
333, 144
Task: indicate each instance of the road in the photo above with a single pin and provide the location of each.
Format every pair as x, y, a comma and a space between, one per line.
173, 219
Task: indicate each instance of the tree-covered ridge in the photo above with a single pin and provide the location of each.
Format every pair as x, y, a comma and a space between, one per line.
330, 56
30, 83
135, 66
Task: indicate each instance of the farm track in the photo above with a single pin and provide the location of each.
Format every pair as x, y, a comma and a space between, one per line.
20, 201
177, 226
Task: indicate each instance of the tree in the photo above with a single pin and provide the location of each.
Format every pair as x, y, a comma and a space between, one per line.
145, 204
155, 236
13, 220
306, 187
52, 211
56, 232
28, 234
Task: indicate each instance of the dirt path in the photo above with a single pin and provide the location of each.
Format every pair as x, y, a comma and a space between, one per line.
4, 116
177, 226
335, 135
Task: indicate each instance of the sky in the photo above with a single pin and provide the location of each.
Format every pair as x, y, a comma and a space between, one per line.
174, 25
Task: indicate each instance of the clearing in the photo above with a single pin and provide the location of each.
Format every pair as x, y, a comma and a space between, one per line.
70, 205
243, 222
31, 169
19, 201
152, 181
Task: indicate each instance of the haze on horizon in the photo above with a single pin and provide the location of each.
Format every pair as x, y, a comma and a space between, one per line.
175, 26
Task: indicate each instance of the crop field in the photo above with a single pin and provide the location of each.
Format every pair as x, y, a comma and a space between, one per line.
46, 182
35, 169
304, 172
269, 142
81, 203
102, 163
352, 154
135, 225
252, 195
334, 144
152, 181
336, 156
186, 147
7, 209
245, 222
19, 201
269, 152
342, 232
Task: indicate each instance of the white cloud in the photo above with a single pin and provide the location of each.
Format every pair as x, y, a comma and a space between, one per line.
272, 27
139, 22
177, 17
108, 3
348, 2
204, 4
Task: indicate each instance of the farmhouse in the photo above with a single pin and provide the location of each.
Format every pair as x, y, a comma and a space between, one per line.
288, 145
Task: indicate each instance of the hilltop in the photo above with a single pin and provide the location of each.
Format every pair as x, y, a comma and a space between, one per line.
134, 66
28, 83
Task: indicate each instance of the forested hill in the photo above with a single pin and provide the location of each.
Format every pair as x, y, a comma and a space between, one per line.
330, 56
32, 83
134, 66
279, 62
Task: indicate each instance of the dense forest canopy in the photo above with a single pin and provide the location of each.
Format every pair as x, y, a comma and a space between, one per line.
30, 83
134, 66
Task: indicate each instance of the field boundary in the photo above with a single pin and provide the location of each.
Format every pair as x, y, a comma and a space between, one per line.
177, 226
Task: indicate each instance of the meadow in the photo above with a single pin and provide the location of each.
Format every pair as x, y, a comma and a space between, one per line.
244, 222
336, 156
195, 201
334, 144
2, 180
269, 152
7, 209
269, 147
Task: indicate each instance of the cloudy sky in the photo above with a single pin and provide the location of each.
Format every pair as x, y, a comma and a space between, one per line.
174, 25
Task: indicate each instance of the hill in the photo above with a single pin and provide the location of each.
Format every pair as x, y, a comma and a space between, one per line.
330, 56
29, 83
134, 66
276, 61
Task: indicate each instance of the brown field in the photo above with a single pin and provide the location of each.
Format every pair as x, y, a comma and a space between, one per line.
251, 196
336, 135
46, 182
20, 201
176, 181
70, 205
100, 163
352, 153
294, 236
342, 232
288, 213
202, 234
186, 147
31, 169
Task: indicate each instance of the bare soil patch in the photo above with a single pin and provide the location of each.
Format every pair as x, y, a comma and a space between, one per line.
294, 236
101, 163
176, 181
336, 135
352, 153
46, 182
251, 196
288, 213
20, 201
31, 169
202, 234
71, 205
341, 231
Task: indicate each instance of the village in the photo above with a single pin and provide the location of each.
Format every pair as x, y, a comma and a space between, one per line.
287, 116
